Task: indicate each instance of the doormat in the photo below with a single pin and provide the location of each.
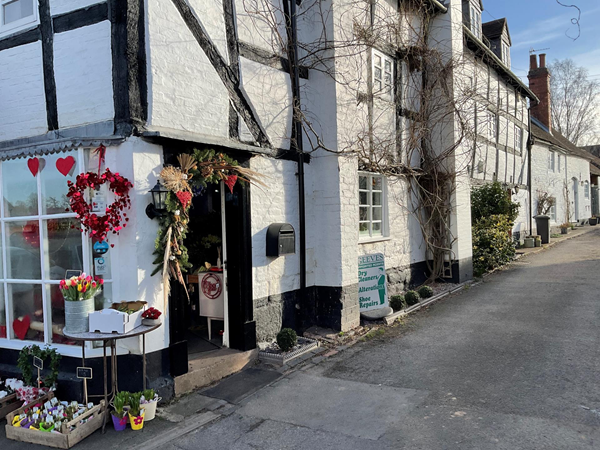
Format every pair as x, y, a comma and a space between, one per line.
274, 355
242, 384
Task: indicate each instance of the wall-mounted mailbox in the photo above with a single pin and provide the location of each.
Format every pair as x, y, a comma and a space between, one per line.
281, 239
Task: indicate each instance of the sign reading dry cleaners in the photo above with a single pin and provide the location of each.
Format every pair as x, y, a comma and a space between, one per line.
372, 286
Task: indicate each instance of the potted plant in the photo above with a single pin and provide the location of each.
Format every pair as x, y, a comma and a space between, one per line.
564, 228
119, 416
79, 293
149, 402
593, 221
151, 317
46, 426
136, 412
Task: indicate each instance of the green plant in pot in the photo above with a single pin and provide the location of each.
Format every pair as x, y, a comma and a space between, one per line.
136, 411
119, 416
149, 402
46, 426
287, 339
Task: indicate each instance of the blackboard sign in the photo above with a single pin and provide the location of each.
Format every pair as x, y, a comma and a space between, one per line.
72, 273
84, 372
37, 362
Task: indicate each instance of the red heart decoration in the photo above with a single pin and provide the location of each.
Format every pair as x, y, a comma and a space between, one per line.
64, 165
21, 327
230, 182
34, 165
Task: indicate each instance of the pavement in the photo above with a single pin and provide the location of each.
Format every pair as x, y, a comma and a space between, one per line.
510, 363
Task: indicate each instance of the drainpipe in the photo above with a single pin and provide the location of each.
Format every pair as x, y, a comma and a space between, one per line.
296, 141
530, 143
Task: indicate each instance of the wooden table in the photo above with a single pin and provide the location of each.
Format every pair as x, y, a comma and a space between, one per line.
111, 339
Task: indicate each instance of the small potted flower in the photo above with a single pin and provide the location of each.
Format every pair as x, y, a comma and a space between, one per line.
136, 412
151, 317
47, 425
119, 417
149, 401
564, 228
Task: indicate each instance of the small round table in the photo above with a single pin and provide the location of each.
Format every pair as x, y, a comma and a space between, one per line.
111, 339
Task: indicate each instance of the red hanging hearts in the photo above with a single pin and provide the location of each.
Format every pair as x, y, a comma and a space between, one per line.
100, 224
230, 182
65, 165
21, 327
34, 165
184, 197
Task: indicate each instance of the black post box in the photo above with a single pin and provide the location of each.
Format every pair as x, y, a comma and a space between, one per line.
281, 239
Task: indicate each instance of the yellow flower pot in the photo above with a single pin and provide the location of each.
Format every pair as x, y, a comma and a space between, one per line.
137, 422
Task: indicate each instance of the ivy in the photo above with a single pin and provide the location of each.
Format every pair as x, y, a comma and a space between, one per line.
25, 363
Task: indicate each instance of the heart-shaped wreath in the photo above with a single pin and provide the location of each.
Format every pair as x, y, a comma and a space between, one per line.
99, 226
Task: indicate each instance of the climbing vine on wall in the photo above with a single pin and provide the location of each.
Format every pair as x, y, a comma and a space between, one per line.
183, 182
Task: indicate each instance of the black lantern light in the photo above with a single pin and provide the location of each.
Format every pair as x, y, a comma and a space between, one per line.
159, 201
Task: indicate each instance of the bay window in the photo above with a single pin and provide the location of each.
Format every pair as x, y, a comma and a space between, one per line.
40, 240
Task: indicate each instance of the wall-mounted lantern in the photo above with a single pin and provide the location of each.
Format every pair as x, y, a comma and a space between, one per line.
159, 201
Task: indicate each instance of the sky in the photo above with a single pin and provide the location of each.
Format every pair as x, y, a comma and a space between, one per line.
544, 24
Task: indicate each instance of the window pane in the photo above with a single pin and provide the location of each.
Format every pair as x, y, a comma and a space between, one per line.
376, 183
363, 198
2, 313
376, 228
388, 66
363, 214
377, 60
376, 198
377, 212
17, 10
26, 300
362, 182
57, 308
62, 248
377, 73
363, 229
19, 188
23, 250
54, 182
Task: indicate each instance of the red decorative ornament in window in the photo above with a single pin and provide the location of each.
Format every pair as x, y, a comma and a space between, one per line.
114, 218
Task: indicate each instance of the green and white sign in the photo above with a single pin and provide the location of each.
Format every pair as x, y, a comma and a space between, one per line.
372, 282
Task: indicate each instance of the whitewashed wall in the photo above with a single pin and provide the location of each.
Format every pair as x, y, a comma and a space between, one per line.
22, 98
83, 74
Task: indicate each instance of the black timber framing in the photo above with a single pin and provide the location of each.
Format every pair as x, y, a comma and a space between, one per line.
234, 62
24, 38
80, 18
47, 37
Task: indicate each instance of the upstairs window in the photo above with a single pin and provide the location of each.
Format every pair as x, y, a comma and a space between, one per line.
558, 158
475, 21
492, 126
372, 206
383, 70
519, 139
551, 159
506, 54
15, 14
586, 189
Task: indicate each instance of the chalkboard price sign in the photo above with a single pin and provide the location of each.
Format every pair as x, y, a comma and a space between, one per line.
38, 363
84, 372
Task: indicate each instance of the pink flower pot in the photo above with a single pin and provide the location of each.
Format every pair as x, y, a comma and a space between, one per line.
120, 424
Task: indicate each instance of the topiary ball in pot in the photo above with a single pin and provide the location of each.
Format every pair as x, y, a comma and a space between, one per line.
425, 292
412, 298
397, 302
286, 339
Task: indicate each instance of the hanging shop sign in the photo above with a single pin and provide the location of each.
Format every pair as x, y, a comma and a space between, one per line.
100, 248
372, 282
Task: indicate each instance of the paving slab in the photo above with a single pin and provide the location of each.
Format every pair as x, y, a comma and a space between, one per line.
345, 407
240, 385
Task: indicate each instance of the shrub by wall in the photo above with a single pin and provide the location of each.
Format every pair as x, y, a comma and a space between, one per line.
492, 246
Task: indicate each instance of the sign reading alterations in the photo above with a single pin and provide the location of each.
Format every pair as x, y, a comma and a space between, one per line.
372, 286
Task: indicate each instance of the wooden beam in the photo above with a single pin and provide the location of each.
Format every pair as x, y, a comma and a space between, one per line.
47, 37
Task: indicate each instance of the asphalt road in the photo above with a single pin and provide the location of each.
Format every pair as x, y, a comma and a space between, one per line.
512, 363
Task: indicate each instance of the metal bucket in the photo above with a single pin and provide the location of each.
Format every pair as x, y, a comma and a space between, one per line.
76, 316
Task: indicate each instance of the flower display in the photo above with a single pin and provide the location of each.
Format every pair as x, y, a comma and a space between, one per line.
151, 313
80, 288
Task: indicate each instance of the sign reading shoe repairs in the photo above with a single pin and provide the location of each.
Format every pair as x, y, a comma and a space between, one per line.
372, 285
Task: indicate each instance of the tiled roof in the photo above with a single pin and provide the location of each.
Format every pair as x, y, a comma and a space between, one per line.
495, 28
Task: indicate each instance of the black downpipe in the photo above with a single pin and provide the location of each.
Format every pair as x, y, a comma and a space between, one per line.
530, 143
296, 141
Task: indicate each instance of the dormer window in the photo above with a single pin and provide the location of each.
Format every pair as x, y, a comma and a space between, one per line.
475, 24
506, 54
16, 14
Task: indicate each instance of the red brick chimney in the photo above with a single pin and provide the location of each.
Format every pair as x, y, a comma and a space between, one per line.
539, 83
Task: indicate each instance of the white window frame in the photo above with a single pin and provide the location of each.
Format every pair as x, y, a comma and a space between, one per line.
387, 89
20, 24
518, 138
558, 158
475, 21
551, 160
586, 189
15, 343
505, 53
552, 211
384, 208
492, 126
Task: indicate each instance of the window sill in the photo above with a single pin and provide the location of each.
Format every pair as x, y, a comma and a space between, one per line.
374, 240
62, 349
